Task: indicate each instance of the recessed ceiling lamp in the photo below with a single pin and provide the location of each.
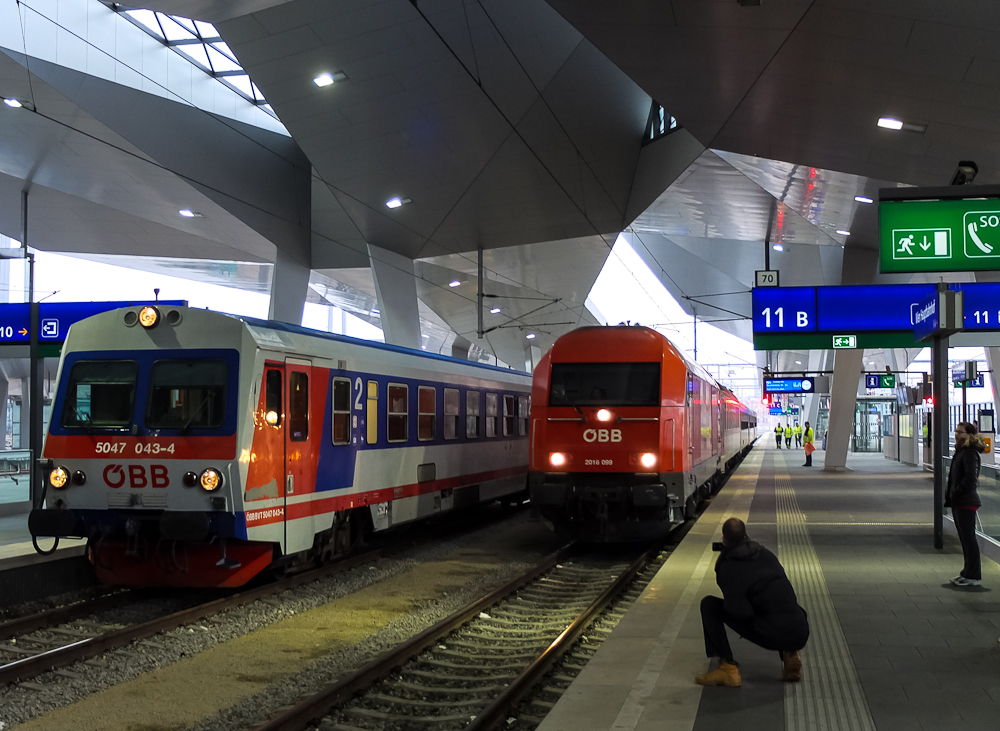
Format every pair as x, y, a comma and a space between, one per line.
798, 362
778, 247
863, 199
530, 336
454, 283
13, 103
397, 202
495, 310
842, 232
897, 124
424, 335
323, 80
188, 213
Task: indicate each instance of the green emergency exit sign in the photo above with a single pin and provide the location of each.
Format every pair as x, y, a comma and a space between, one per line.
845, 341
939, 234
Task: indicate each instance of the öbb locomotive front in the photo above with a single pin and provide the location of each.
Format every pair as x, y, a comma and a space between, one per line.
627, 435
193, 448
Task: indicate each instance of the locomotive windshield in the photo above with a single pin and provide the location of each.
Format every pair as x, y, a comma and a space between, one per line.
605, 384
187, 393
100, 394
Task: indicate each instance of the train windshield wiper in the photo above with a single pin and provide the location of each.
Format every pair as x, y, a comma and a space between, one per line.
196, 413
89, 424
572, 403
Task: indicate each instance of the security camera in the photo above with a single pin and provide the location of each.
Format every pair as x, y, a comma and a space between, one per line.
965, 173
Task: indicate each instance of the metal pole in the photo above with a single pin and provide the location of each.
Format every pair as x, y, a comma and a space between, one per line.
694, 313
479, 309
34, 396
767, 236
939, 431
965, 408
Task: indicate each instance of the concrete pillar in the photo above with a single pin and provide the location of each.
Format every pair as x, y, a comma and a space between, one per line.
289, 287
992, 362
532, 354
810, 405
25, 415
396, 290
843, 400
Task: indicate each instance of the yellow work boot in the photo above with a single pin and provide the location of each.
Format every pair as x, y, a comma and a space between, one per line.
791, 667
726, 674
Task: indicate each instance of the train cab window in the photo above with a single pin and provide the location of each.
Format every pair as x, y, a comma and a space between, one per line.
472, 414
187, 393
397, 413
508, 415
451, 413
523, 413
491, 414
298, 406
426, 412
371, 413
272, 397
341, 410
605, 384
100, 394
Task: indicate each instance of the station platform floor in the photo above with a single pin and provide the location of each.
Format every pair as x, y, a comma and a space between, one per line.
16, 548
893, 645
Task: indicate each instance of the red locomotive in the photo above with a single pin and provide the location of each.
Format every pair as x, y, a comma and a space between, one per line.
627, 434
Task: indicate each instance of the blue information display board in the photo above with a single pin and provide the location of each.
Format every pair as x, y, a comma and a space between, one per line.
784, 309
55, 318
869, 308
788, 385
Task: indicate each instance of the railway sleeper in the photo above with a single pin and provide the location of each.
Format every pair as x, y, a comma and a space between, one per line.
383, 699
544, 606
372, 715
486, 658
536, 624
520, 612
491, 642
433, 689
433, 662
427, 675
479, 638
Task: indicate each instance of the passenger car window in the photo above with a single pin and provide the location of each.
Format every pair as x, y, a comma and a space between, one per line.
396, 426
298, 406
508, 415
491, 414
523, 413
101, 393
341, 411
451, 413
426, 412
472, 414
186, 393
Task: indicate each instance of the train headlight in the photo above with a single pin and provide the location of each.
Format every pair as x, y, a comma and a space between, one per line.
210, 480
647, 460
557, 459
271, 417
149, 316
59, 477
605, 415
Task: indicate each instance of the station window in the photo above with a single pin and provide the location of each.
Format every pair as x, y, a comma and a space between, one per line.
371, 412
397, 412
451, 413
491, 414
426, 412
272, 397
659, 124
298, 406
100, 394
523, 413
186, 393
508, 415
341, 410
472, 414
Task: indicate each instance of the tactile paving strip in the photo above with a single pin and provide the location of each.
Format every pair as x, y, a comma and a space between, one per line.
830, 696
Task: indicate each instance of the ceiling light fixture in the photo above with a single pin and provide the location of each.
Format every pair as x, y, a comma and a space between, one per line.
890, 123
13, 103
842, 232
188, 213
863, 199
454, 283
397, 202
323, 80
778, 247
530, 336
495, 311
798, 362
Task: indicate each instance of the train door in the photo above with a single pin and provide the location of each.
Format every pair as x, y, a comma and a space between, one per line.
297, 426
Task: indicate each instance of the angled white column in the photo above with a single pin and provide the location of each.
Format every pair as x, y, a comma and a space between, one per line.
396, 290
289, 286
532, 354
843, 399
810, 403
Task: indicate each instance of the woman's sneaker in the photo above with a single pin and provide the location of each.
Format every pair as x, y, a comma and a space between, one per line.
962, 581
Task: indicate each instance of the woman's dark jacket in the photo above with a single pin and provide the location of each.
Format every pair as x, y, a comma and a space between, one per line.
963, 476
754, 587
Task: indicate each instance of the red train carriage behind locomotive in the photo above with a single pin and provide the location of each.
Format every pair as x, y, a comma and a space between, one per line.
628, 435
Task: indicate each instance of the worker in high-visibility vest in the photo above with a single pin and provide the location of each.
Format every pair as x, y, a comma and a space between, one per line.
797, 431
788, 436
778, 433
808, 437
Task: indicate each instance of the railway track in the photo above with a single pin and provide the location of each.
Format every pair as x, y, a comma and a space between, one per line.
470, 670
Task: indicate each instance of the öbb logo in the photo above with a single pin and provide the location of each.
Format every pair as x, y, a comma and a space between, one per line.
115, 476
602, 435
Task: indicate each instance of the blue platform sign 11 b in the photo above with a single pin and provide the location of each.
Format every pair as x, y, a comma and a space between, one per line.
784, 310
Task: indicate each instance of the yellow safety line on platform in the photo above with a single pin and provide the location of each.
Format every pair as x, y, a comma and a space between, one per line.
658, 668
830, 696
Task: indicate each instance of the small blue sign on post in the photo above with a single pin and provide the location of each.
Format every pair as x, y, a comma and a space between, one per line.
788, 385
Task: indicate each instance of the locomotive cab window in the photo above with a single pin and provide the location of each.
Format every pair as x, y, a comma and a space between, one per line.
100, 394
491, 414
508, 415
451, 413
426, 412
341, 411
272, 397
398, 412
472, 414
187, 393
605, 384
298, 406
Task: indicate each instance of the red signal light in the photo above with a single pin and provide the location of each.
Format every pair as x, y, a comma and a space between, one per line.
929, 400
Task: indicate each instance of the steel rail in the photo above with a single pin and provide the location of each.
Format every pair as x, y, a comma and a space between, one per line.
316, 706
499, 708
58, 615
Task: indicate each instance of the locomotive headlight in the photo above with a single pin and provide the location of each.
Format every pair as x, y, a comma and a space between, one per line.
210, 480
271, 417
604, 415
59, 477
557, 459
647, 460
149, 316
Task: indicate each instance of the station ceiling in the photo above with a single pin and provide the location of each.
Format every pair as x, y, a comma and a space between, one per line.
518, 126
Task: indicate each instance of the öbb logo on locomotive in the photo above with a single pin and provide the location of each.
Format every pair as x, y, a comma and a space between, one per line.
114, 476
602, 435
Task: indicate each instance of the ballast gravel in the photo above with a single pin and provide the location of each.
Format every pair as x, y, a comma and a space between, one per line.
511, 545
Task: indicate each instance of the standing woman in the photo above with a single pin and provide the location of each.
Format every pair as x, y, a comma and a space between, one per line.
963, 499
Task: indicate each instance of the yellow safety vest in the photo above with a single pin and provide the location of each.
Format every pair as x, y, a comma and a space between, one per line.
788, 431
798, 430
808, 436
777, 429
